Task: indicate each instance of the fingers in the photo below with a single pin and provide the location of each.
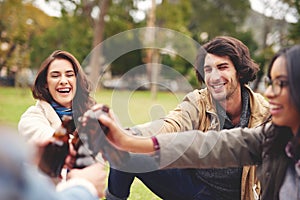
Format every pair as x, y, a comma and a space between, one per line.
95, 173
69, 162
107, 121
116, 136
71, 157
91, 111
97, 107
72, 150
84, 151
111, 124
85, 161
85, 157
114, 117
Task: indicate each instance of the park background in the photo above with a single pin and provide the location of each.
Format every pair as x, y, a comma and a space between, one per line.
31, 29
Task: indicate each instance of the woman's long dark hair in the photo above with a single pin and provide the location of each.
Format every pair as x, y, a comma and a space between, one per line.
82, 100
284, 134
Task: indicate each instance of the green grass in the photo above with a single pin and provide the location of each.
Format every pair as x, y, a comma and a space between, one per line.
130, 107
13, 102
138, 107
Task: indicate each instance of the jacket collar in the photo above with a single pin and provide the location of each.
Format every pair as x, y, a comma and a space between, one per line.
49, 113
259, 106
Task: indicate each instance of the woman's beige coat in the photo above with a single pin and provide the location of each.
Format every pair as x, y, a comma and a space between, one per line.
39, 122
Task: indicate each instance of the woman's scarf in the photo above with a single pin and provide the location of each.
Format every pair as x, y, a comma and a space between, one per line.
61, 111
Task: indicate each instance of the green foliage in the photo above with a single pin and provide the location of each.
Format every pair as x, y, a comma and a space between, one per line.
192, 78
32, 35
294, 32
19, 23
247, 38
119, 18
174, 15
68, 33
126, 62
74, 32
295, 28
177, 63
219, 17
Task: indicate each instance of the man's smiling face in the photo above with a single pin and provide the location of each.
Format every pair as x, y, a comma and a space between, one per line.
220, 77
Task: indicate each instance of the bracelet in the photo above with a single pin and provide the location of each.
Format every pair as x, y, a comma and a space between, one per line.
155, 143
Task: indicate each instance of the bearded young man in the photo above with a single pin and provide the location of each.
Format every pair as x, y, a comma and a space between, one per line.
225, 66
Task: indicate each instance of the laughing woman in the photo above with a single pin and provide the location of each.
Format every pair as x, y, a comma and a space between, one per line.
61, 88
274, 147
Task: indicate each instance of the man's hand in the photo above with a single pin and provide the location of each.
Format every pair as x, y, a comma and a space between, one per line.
122, 139
95, 132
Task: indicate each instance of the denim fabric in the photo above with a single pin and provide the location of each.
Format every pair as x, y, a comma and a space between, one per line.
168, 184
195, 104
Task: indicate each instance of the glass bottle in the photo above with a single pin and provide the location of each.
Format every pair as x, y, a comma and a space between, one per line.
93, 134
55, 152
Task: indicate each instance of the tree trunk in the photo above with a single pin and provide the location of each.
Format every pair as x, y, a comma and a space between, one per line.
97, 59
152, 54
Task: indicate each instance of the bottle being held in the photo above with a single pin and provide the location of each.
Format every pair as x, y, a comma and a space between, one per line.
84, 156
55, 152
93, 134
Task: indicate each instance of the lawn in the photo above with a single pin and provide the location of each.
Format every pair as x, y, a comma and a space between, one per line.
131, 107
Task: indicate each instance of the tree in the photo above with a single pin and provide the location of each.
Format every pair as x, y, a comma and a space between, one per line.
294, 31
219, 17
20, 23
70, 33
152, 57
176, 19
98, 13
96, 62
274, 34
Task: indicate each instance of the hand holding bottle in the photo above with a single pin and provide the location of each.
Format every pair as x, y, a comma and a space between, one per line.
56, 149
94, 132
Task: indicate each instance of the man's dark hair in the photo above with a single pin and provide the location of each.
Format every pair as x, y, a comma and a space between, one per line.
237, 52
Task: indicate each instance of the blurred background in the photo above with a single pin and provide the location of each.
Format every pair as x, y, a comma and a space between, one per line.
31, 29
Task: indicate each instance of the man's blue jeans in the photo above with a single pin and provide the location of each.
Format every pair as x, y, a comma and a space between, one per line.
168, 184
